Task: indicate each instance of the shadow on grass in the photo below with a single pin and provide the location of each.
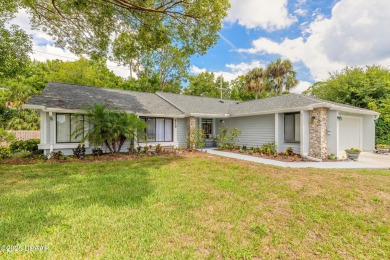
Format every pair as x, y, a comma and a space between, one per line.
29, 194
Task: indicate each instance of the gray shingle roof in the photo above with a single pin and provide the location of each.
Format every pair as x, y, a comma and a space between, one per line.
198, 105
58, 95
284, 102
65, 96
289, 101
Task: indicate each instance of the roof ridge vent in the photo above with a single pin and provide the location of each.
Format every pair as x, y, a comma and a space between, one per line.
221, 101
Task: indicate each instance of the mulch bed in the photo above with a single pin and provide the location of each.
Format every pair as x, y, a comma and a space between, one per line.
90, 158
280, 157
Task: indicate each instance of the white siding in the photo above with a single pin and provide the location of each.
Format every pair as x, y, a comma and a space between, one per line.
255, 130
181, 132
368, 133
282, 146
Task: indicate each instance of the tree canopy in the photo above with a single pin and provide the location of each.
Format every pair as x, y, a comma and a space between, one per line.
89, 26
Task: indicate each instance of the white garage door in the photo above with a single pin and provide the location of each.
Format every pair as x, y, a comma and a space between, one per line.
349, 132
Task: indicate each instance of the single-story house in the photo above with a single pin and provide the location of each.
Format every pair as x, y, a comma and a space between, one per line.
311, 126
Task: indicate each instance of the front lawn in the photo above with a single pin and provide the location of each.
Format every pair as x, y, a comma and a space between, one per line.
193, 206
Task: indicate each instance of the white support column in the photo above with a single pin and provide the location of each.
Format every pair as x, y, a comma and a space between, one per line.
52, 117
302, 132
277, 131
43, 130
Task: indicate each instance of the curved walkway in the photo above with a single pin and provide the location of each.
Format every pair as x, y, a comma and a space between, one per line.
322, 165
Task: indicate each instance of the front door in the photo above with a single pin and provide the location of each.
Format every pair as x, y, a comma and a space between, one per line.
207, 127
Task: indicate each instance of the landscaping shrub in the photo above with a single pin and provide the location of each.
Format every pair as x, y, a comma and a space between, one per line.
269, 148
289, 151
158, 148
5, 152
227, 138
57, 155
79, 152
21, 154
26, 145
200, 138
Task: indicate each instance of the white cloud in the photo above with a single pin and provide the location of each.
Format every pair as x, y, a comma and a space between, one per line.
355, 35
233, 70
302, 86
264, 14
300, 12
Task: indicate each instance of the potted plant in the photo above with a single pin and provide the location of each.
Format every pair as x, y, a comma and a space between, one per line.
353, 153
382, 148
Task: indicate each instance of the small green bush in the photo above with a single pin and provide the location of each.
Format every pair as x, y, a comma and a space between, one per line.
269, 148
289, 151
352, 150
26, 145
21, 154
5, 152
158, 148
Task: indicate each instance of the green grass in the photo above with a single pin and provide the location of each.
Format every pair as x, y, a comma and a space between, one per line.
196, 206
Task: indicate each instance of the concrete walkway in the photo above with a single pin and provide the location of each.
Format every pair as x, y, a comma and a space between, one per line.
322, 165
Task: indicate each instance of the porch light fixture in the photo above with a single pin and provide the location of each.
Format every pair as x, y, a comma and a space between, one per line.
221, 121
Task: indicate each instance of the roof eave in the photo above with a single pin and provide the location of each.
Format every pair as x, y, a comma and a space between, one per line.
296, 109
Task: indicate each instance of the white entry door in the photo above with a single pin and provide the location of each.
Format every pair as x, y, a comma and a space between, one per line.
350, 128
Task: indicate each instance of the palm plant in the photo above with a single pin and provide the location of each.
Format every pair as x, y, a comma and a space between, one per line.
110, 126
255, 81
282, 75
23, 120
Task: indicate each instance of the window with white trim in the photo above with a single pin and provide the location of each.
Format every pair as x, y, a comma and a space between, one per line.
292, 129
159, 129
66, 125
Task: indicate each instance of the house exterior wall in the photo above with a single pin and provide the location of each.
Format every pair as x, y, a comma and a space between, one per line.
281, 144
305, 130
181, 130
368, 133
255, 130
48, 137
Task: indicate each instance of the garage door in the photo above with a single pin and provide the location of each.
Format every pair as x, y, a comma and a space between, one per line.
349, 132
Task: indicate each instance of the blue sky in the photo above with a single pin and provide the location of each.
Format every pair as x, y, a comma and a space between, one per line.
318, 36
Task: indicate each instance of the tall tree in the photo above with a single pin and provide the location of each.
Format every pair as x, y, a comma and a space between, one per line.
255, 81
238, 90
15, 46
82, 72
282, 75
205, 84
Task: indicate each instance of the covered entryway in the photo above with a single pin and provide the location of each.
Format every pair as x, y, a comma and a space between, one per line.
350, 132
207, 125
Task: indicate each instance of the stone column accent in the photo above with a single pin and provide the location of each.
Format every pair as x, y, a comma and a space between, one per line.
191, 127
318, 145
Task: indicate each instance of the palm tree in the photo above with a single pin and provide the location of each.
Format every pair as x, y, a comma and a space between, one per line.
255, 81
110, 126
282, 75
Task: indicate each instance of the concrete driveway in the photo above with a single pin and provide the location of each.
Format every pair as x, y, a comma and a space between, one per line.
382, 160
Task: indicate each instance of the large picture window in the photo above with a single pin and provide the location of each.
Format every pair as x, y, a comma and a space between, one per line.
292, 130
66, 125
159, 129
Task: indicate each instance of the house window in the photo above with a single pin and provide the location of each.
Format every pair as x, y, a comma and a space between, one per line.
66, 126
207, 127
159, 129
292, 130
